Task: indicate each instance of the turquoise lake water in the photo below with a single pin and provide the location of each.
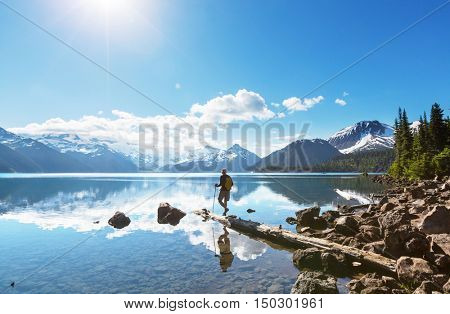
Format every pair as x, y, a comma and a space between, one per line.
49, 242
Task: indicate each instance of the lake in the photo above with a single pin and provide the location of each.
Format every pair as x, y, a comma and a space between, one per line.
50, 243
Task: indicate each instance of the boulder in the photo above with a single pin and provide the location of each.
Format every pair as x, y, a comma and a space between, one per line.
436, 221
440, 243
414, 193
370, 233
446, 287
119, 220
395, 240
308, 258
306, 216
383, 201
393, 219
375, 247
427, 287
372, 283
412, 271
319, 223
417, 245
331, 215
335, 263
315, 283
346, 225
387, 207
169, 215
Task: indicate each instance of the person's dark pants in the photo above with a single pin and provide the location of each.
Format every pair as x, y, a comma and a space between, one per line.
224, 197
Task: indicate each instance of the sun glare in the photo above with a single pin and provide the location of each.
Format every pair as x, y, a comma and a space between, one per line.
109, 7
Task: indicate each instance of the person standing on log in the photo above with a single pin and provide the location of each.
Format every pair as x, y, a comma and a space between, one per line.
225, 185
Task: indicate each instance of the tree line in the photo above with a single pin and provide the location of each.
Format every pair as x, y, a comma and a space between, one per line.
423, 151
366, 161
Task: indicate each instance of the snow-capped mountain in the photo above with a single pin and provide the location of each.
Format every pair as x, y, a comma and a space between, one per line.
299, 156
38, 157
208, 158
363, 136
92, 152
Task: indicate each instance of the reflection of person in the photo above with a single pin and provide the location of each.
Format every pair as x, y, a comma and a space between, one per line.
226, 257
225, 186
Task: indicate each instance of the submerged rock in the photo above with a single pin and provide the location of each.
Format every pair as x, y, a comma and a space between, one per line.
169, 215
119, 220
312, 282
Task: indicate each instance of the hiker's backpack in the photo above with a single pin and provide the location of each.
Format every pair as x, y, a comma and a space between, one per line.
228, 183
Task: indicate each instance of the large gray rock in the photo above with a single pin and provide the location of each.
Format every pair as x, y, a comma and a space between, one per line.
436, 221
413, 271
315, 283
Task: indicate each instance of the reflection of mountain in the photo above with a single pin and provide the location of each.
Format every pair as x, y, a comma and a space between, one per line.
76, 204
320, 190
28, 191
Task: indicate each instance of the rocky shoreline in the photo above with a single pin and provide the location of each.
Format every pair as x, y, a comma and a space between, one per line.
409, 223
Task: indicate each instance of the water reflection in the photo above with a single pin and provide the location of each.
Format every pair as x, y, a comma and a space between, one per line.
76, 203
40, 217
226, 256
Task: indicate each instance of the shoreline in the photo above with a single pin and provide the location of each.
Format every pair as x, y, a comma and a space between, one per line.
410, 223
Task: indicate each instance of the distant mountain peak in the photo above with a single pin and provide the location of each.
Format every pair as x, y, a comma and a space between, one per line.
363, 136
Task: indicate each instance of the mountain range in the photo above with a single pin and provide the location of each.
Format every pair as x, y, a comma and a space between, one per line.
71, 153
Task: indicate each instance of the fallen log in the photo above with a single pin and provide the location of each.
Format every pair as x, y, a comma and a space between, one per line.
289, 238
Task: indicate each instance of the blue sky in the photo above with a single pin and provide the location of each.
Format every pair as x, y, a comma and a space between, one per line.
277, 49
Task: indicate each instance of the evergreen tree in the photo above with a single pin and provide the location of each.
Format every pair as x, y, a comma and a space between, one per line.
438, 129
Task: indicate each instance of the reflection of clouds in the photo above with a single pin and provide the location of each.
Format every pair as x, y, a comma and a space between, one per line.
77, 207
264, 195
79, 210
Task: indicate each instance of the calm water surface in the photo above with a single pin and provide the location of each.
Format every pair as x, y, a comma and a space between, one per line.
44, 216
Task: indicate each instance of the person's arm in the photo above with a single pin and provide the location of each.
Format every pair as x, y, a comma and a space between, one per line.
222, 181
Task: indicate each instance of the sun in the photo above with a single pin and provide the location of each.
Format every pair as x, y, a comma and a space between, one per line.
110, 8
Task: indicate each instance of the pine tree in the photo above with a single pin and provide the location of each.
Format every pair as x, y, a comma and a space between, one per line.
406, 141
438, 129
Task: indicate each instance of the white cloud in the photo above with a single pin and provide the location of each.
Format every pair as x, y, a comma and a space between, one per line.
345, 94
100, 112
275, 104
121, 131
281, 115
177, 85
298, 104
244, 106
340, 102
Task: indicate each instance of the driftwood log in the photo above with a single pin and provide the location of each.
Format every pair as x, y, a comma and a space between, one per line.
291, 239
